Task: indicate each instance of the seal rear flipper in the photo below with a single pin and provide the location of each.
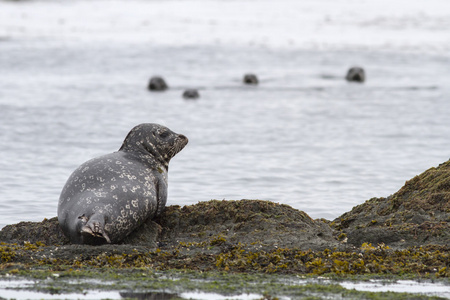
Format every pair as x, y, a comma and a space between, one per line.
94, 233
88, 234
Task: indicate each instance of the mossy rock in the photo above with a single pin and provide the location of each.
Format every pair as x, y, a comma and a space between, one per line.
47, 232
256, 223
418, 214
264, 224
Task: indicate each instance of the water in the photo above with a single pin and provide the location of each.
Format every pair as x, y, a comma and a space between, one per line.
23, 289
73, 78
401, 286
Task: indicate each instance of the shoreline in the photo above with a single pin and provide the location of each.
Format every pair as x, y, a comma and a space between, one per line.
404, 236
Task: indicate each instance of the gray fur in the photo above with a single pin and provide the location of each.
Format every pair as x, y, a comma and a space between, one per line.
157, 84
250, 79
356, 74
108, 197
191, 94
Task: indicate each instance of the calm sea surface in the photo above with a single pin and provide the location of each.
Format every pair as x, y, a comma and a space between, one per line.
73, 77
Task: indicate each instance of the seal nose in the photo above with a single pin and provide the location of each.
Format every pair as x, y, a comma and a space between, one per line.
183, 137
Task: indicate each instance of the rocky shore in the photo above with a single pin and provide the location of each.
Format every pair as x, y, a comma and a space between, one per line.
407, 232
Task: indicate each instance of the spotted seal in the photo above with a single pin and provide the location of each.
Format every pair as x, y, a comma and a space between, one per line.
108, 197
356, 74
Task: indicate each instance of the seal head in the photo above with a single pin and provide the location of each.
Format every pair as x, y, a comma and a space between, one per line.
157, 83
108, 197
191, 94
356, 74
250, 79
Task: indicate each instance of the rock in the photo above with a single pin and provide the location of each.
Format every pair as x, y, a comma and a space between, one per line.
356, 74
157, 84
418, 214
191, 94
264, 224
250, 79
47, 232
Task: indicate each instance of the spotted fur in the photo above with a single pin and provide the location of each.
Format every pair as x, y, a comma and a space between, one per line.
108, 197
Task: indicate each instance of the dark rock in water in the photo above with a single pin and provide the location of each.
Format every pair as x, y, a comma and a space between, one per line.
191, 94
157, 84
418, 214
356, 74
250, 79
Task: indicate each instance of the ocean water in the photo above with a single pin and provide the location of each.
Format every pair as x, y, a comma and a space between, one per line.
73, 77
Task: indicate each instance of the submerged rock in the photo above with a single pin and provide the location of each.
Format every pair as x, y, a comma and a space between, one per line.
418, 214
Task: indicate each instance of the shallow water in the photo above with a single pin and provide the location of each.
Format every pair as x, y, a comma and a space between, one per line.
23, 289
71, 88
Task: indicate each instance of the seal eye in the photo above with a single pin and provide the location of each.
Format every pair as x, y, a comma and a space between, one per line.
164, 134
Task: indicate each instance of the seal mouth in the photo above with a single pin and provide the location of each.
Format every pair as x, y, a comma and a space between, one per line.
180, 142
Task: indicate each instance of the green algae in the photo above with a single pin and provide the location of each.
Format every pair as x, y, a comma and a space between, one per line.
428, 262
216, 265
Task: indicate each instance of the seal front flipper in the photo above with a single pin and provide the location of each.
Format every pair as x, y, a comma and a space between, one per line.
161, 197
94, 231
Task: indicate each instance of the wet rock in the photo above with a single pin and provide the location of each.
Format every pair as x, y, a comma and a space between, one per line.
356, 74
47, 232
418, 214
250, 79
157, 84
261, 224
191, 94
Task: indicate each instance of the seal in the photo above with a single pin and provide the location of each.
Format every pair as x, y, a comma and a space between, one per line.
191, 94
250, 79
356, 74
108, 197
157, 83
